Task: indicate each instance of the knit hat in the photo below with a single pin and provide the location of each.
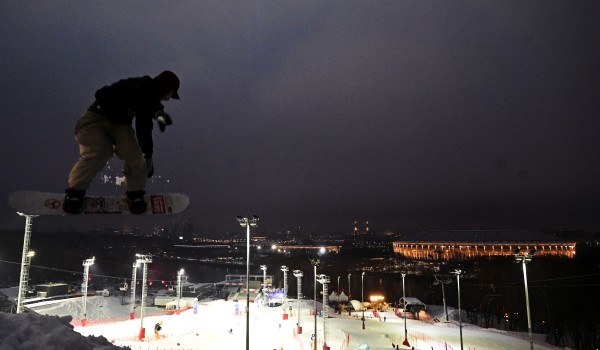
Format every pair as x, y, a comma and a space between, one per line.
169, 82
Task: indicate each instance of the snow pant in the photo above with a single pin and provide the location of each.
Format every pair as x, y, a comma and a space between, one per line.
99, 139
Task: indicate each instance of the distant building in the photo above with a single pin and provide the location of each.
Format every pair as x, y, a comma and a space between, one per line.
356, 231
464, 245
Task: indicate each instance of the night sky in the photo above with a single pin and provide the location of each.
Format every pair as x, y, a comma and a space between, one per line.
412, 115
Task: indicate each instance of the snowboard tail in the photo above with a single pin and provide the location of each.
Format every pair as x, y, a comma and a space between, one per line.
46, 203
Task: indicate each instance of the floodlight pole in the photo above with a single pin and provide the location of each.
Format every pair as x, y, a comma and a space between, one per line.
349, 293
324, 280
179, 286
144, 260
132, 301
245, 222
285, 270
264, 270
86, 269
315, 263
362, 297
25, 263
405, 342
298, 274
458, 272
524, 258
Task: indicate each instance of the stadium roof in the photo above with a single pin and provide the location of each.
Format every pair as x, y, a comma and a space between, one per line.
482, 236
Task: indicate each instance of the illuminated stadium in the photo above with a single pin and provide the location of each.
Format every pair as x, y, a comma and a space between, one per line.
464, 245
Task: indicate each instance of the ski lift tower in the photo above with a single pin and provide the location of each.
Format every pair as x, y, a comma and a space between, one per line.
144, 260
445, 280
298, 274
84, 286
324, 280
25, 262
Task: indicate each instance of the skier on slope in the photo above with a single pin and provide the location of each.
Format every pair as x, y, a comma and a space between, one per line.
106, 129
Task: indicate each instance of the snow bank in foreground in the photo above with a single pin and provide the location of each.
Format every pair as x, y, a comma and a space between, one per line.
32, 332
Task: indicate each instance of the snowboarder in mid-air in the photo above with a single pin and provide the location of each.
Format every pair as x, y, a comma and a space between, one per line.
106, 129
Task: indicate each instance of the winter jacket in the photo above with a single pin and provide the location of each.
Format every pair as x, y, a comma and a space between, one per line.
131, 98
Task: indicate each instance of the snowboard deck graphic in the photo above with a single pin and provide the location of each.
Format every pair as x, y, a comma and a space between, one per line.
46, 203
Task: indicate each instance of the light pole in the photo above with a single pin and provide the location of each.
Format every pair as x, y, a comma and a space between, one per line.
405, 342
285, 270
298, 274
524, 258
25, 262
179, 287
144, 260
315, 263
338, 288
264, 270
362, 298
458, 272
349, 294
86, 269
247, 223
324, 280
136, 264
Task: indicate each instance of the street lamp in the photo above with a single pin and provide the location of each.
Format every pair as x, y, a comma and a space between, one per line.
405, 342
525, 258
247, 223
338, 288
324, 280
458, 272
315, 263
362, 298
86, 269
298, 274
144, 260
285, 270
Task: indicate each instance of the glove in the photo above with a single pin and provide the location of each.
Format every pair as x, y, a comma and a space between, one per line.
149, 167
163, 119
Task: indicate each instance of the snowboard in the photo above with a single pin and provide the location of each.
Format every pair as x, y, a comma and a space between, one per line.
46, 203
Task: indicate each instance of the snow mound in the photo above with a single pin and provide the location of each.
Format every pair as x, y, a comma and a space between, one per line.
32, 332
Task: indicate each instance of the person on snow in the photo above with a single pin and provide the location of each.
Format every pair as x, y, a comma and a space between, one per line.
157, 328
106, 129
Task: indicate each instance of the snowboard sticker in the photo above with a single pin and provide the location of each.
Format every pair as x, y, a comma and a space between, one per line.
46, 203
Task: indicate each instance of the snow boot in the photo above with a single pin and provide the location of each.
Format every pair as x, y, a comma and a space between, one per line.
136, 203
73, 203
